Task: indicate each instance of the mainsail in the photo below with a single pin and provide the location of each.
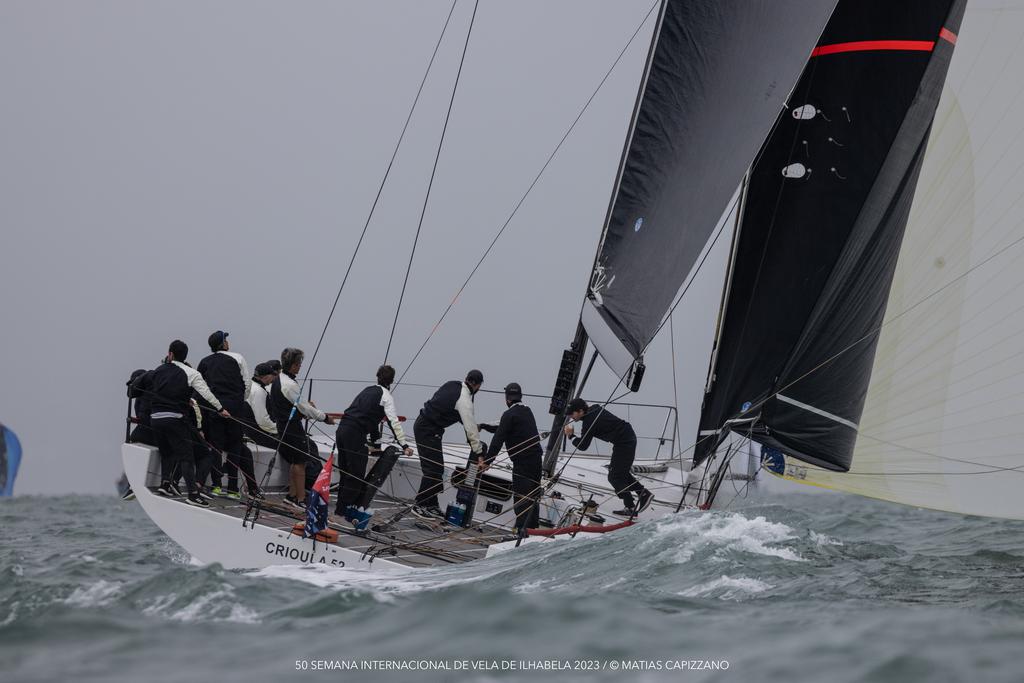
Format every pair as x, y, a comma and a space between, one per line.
823, 224
718, 75
941, 426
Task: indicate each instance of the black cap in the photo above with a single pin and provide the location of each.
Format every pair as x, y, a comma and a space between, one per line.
263, 369
474, 377
135, 375
576, 404
275, 365
216, 340
513, 390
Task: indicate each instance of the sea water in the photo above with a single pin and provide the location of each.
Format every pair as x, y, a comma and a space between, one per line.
783, 588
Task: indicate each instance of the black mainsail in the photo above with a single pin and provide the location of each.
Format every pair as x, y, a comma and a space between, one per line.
718, 75
824, 216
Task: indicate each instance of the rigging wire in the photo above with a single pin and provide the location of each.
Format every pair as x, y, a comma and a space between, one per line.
430, 185
529, 189
376, 199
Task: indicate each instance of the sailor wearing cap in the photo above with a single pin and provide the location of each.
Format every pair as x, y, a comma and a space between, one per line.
227, 375
451, 403
362, 421
517, 432
262, 429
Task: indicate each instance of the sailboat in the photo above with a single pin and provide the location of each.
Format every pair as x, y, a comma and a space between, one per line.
766, 125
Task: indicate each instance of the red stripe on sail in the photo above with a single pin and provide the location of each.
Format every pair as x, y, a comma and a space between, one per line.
870, 45
948, 36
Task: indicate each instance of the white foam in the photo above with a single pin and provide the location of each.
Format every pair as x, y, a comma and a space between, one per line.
727, 588
383, 585
13, 615
99, 593
218, 605
823, 540
726, 532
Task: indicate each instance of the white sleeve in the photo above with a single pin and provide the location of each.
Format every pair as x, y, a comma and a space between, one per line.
388, 401
465, 408
246, 382
290, 390
258, 402
196, 381
199, 413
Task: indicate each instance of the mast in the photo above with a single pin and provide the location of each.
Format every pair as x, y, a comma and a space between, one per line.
569, 370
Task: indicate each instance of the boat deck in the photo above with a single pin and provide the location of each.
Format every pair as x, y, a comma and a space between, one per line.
407, 540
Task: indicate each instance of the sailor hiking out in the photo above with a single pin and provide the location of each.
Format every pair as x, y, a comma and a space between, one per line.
598, 423
295, 446
359, 429
517, 432
451, 403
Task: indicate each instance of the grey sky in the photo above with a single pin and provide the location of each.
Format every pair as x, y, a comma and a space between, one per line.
171, 168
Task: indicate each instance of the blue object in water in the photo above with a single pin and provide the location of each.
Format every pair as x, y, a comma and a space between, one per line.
773, 460
10, 458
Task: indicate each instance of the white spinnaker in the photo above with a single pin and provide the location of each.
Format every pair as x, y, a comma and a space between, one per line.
943, 425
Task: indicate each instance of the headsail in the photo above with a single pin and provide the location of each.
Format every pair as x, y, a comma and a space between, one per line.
826, 208
941, 426
10, 459
718, 75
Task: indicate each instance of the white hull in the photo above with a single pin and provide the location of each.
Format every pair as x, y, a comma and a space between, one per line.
211, 536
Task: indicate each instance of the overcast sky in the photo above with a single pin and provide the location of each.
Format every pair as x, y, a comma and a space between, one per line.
168, 169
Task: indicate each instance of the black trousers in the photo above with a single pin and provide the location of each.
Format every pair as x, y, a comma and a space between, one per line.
428, 445
352, 458
619, 476
298, 449
526, 489
175, 445
202, 455
142, 433
225, 433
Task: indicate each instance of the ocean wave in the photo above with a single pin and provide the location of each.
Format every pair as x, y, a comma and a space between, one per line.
724, 533
727, 588
95, 595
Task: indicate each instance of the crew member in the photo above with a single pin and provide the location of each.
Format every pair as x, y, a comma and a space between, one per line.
517, 432
361, 421
139, 388
598, 423
227, 375
261, 427
289, 411
451, 403
172, 386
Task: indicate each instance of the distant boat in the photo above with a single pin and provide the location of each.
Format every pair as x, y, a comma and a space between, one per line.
10, 458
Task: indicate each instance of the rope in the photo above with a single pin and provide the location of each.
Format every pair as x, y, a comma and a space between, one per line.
430, 185
527, 193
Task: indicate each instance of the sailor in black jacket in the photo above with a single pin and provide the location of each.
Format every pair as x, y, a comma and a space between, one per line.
598, 423
517, 432
172, 384
451, 403
227, 375
361, 420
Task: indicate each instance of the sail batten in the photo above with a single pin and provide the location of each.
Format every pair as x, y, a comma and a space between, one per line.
828, 202
718, 76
